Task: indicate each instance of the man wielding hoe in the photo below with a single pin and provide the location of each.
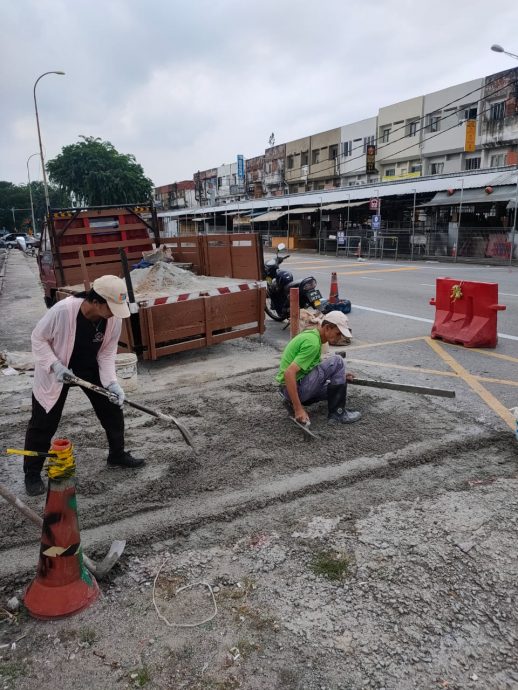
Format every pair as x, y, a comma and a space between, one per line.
77, 335
305, 379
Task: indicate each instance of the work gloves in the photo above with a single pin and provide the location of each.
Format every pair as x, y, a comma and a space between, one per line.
60, 371
117, 391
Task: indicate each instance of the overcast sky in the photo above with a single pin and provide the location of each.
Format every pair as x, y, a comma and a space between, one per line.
189, 85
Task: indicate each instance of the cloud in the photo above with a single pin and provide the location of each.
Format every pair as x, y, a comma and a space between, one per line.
187, 86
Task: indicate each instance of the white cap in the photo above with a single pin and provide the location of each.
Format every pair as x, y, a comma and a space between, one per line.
339, 319
113, 290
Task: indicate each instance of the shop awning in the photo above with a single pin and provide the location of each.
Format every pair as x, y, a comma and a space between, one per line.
271, 215
350, 204
472, 196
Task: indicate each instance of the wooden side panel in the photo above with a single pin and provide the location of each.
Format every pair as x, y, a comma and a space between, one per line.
201, 322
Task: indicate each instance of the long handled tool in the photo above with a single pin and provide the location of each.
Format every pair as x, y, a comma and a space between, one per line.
97, 569
405, 388
155, 413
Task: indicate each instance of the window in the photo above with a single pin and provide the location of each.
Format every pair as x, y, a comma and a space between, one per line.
333, 152
304, 158
497, 160
367, 141
415, 167
386, 134
315, 156
220, 182
470, 113
390, 172
347, 148
496, 111
290, 162
434, 123
412, 128
472, 164
436, 168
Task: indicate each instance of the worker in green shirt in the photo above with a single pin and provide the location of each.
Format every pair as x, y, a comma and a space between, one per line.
305, 379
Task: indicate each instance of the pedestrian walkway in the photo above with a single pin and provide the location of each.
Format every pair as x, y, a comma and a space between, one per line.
21, 294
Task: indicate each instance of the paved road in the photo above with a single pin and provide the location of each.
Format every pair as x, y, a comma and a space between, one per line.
391, 303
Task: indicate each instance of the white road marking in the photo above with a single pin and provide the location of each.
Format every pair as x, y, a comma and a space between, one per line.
427, 284
504, 336
508, 294
367, 278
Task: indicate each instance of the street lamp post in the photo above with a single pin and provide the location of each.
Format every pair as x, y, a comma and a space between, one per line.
498, 49
320, 228
30, 192
458, 220
413, 227
348, 213
47, 203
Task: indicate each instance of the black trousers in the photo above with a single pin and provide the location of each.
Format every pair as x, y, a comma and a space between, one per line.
43, 425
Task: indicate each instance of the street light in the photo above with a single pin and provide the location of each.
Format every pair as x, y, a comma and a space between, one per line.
47, 203
320, 227
498, 49
30, 191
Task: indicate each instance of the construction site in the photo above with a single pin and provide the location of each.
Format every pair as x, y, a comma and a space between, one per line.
246, 554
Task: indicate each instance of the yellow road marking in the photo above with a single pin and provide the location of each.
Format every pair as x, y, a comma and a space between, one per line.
386, 342
503, 382
380, 270
473, 383
496, 355
416, 370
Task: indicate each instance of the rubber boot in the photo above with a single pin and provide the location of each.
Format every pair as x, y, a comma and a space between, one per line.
337, 414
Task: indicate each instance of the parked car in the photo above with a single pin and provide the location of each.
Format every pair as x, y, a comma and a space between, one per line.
10, 240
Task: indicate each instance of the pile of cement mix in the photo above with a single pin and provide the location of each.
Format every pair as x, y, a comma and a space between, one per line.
166, 278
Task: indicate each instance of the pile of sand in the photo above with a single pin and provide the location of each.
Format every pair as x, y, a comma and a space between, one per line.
166, 278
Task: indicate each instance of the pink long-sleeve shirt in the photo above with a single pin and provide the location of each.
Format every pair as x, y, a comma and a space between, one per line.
53, 339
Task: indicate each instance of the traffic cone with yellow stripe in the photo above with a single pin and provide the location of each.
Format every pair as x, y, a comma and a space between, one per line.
62, 585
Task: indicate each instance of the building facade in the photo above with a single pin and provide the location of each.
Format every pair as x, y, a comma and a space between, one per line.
355, 138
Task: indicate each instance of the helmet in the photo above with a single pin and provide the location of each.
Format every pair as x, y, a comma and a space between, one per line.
284, 278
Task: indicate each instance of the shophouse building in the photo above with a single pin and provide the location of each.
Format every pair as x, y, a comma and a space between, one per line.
398, 153
355, 138
443, 129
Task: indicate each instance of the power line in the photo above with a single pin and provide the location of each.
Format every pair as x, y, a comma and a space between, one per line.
419, 129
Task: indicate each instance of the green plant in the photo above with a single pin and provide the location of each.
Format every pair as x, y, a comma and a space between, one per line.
87, 635
141, 676
334, 566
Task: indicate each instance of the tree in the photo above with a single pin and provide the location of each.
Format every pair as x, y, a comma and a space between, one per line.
98, 175
17, 197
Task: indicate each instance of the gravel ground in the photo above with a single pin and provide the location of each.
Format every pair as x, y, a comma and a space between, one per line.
380, 556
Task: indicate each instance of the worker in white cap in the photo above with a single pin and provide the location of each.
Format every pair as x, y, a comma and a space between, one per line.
78, 335
305, 378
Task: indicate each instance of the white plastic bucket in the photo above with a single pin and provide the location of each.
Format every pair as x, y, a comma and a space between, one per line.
126, 370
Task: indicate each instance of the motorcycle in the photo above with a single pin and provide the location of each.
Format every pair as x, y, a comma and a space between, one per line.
279, 284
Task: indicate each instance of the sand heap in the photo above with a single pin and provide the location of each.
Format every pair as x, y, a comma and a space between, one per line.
166, 278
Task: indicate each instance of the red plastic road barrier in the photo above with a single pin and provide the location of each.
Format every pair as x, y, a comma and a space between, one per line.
466, 312
333, 290
62, 585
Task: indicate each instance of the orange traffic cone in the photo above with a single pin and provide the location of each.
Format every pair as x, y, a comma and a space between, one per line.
62, 585
333, 291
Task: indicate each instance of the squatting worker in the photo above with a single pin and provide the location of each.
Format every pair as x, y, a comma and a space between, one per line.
305, 379
77, 335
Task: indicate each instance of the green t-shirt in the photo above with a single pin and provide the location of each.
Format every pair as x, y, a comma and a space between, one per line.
304, 349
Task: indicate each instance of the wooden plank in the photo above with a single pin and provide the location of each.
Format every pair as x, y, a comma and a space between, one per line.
105, 245
86, 281
102, 258
75, 230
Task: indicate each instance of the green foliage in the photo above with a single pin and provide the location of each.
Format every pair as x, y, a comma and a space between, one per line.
333, 566
97, 174
18, 197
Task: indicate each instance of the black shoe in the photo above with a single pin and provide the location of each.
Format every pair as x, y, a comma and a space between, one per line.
125, 459
34, 485
344, 417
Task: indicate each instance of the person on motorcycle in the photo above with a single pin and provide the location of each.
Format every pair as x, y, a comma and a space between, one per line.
305, 379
